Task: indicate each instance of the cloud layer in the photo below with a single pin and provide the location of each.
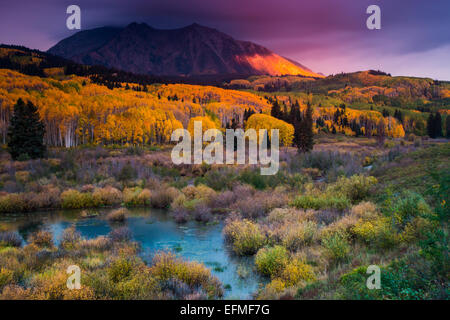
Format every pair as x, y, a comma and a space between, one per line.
328, 36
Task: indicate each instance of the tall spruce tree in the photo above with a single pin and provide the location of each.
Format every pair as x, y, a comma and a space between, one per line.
276, 110
295, 118
430, 126
306, 130
381, 132
447, 126
26, 132
438, 125
434, 125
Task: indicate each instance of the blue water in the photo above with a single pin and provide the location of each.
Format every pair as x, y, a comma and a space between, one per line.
155, 230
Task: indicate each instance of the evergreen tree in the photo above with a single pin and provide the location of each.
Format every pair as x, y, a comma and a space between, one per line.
398, 115
438, 125
296, 120
306, 130
381, 132
434, 125
430, 126
26, 132
447, 126
276, 111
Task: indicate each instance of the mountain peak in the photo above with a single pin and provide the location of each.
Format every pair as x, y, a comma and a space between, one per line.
140, 48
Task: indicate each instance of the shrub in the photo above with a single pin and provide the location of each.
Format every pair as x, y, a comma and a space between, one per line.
271, 261
220, 179
118, 215
70, 238
275, 286
73, 199
6, 277
122, 234
47, 198
107, 196
163, 198
10, 239
42, 239
166, 266
406, 206
128, 172
355, 188
321, 202
13, 203
378, 232
260, 203
136, 196
364, 210
336, 245
120, 269
296, 271
22, 176
297, 235
223, 200
245, 236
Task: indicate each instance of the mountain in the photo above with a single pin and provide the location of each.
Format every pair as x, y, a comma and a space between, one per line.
190, 51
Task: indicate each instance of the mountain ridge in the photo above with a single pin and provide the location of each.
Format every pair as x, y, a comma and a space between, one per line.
193, 50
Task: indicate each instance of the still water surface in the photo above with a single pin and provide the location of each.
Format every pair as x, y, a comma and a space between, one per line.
155, 230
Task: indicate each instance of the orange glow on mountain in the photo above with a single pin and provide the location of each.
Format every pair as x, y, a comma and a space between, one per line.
276, 65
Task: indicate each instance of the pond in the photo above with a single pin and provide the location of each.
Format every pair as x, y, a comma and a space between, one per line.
155, 230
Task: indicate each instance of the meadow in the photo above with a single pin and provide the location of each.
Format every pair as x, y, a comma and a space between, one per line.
311, 230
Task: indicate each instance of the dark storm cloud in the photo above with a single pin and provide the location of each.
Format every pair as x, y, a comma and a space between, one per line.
316, 31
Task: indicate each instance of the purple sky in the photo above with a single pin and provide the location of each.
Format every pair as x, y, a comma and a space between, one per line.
328, 36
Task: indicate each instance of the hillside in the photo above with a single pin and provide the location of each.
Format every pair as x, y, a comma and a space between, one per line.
190, 51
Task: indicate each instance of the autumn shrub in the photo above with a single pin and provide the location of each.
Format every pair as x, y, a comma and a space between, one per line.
327, 216
73, 199
245, 236
299, 234
219, 179
118, 215
223, 200
6, 277
403, 207
283, 216
337, 246
162, 198
52, 285
69, 238
136, 196
271, 261
272, 290
42, 239
166, 266
122, 234
22, 176
120, 269
296, 271
365, 210
10, 239
107, 196
355, 188
202, 213
377, 232
13, 202
14, 292
321, 202
259, 204
48, 198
